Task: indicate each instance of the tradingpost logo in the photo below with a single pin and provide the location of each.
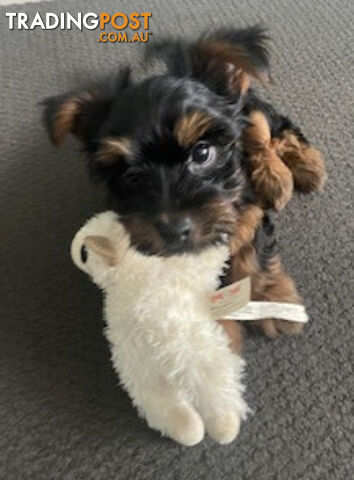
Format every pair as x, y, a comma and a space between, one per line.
124, 25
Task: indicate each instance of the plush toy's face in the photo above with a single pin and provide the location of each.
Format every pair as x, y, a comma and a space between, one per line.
167, 147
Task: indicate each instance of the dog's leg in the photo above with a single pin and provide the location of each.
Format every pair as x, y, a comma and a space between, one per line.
253, 254
288, 143
269, 283
248, 222
274, 285
271, 179
303, 160
234, 331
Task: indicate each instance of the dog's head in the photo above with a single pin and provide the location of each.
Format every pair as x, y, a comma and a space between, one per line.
168, 147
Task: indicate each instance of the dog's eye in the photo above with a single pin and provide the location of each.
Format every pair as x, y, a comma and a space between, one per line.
203, 154
200, 153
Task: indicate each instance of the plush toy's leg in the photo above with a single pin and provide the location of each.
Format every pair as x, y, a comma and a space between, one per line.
165, 412
224, 428
220, 404
217, 389
184, 425
271, 178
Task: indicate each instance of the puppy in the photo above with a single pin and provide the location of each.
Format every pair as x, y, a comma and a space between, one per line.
195, 154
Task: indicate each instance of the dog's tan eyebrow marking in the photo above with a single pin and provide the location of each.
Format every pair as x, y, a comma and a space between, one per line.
112, 148
191, 127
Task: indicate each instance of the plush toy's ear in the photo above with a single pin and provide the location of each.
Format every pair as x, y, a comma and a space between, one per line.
99, 245
82, 113
103, 247
225, 61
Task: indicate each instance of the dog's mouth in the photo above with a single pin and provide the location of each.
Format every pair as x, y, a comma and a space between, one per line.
166, 249
186, 232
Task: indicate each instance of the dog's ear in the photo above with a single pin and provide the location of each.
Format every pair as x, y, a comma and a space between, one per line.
82, 113
225, 61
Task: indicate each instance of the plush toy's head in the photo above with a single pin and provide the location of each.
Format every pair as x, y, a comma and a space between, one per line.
100, 245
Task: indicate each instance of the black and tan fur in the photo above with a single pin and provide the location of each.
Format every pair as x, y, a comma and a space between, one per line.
195, 154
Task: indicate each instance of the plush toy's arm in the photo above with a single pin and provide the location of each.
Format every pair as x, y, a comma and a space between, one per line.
279, 157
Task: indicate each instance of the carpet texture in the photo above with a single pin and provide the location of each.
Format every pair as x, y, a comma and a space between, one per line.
63, 416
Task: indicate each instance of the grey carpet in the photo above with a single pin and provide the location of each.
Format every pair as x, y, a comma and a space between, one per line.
63, 416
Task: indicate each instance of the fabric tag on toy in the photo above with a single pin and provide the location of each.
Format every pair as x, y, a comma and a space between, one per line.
231, 298
233, 303
257, 310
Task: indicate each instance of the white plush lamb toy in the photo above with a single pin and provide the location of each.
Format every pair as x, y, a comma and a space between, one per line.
171, 356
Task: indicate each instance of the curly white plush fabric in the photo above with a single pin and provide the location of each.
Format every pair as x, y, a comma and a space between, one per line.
172, 358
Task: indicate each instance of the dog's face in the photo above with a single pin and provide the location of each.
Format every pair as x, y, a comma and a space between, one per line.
168, 147
172, 164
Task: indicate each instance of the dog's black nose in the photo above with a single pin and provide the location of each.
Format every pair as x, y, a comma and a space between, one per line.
175, 231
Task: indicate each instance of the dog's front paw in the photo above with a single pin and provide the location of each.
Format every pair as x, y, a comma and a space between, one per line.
305, 162
224, 428
273, 327
273, 182
310, 174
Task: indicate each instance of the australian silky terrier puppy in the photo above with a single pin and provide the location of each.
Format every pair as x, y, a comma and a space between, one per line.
195, 154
